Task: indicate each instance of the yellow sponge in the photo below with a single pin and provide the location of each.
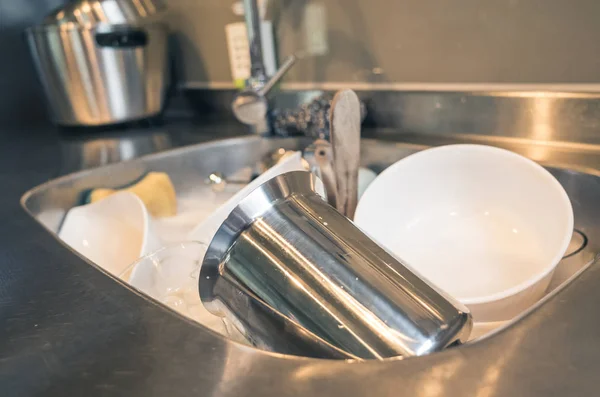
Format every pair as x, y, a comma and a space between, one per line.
155, 190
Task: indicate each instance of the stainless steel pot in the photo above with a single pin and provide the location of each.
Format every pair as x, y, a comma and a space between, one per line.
101, 74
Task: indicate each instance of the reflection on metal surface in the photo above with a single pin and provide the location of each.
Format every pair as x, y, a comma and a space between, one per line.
541, 125
97, 150
435, 379
285, 246
488, 384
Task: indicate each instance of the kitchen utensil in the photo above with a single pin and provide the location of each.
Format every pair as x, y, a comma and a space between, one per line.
284, 249
319, 156
112, 232
101, 66
345, 142
484, 224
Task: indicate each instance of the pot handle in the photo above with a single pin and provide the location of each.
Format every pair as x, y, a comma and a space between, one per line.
130, 38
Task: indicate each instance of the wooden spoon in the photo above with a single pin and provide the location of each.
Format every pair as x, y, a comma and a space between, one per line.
345, 141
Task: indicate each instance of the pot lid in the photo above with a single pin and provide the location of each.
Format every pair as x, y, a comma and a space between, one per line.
89, 13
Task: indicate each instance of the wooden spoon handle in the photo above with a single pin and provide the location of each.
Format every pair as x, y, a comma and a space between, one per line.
345, 142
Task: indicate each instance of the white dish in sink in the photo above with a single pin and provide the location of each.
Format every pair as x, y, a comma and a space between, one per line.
112, 233
484, 224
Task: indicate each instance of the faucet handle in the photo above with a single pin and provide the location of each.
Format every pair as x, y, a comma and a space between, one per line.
283, 69
250, 106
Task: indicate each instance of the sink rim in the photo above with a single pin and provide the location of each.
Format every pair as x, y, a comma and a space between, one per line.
578, 169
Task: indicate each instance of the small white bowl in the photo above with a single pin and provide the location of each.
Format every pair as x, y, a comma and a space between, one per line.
112, 233
486, 225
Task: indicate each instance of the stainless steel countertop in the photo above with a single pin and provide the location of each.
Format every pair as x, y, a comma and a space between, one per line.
68, 329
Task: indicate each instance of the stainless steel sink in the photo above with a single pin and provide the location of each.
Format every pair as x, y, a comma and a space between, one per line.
188, 166
103, 337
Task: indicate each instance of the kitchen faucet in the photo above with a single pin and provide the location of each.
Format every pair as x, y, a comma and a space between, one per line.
250, 106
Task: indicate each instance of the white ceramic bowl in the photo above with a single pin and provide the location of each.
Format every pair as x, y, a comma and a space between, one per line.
112, 232
484, 224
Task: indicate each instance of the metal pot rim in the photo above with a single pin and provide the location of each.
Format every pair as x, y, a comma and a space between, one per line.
102, 27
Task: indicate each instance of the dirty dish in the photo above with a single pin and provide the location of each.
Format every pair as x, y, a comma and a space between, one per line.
484, 224
112, 232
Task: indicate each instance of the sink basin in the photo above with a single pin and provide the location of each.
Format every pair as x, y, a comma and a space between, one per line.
188, 166
136, 345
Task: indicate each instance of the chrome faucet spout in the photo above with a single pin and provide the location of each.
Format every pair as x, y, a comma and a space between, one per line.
250, 106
